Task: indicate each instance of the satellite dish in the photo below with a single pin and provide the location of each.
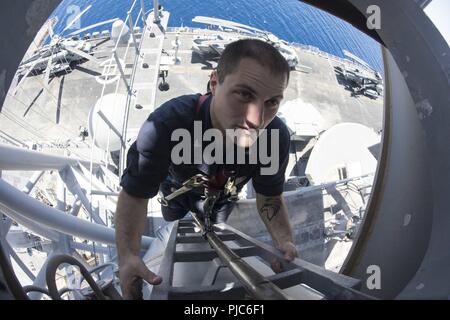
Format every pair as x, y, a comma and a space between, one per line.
343, 151
112, 107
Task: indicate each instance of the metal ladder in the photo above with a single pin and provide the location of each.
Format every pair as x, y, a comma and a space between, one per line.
248, 283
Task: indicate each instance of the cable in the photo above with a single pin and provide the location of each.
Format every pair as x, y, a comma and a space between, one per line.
13, 285
52, 267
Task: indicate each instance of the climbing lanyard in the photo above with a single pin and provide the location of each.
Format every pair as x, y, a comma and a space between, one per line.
197, 181
194, 182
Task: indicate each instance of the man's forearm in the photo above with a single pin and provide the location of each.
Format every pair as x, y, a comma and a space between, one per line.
130, 222
274, 214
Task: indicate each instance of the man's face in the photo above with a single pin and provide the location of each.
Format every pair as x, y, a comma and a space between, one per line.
247, 99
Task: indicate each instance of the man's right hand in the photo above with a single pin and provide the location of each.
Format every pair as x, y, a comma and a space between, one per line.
131, 272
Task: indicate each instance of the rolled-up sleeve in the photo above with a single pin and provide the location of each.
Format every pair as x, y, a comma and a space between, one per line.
147, 160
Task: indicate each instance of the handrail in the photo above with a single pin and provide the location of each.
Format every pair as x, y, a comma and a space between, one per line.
14, 158
323, 186
25, 206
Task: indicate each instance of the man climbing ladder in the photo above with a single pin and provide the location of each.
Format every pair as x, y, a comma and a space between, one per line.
240, 114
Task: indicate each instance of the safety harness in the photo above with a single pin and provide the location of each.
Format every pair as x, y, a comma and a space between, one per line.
211, 192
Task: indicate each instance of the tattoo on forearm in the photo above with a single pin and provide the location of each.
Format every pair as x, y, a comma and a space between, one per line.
271, 207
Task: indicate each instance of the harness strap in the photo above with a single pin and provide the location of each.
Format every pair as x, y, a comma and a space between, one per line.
200, 102
214, 184
219, 180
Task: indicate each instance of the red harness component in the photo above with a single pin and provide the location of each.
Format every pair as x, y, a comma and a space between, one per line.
200, 101
217, 182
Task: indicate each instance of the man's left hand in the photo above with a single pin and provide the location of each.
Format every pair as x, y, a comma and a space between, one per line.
290, 253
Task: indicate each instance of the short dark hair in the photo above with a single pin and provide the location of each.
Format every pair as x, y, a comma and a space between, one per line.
261, 51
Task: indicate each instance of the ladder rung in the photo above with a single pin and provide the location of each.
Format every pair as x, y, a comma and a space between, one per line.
214, 292
186, 230
199, 238
185, 223
283, 280
208, 255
